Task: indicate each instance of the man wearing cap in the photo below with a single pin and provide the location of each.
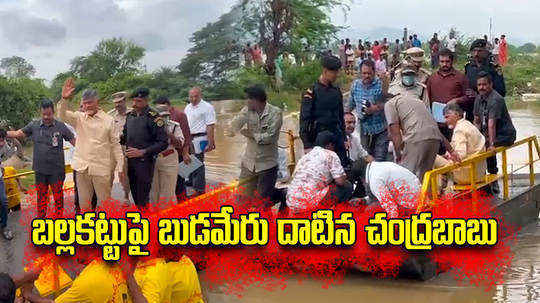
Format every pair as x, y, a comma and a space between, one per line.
481, 62
322, 109
97, 148
179, 117
145, 137
414, 58
166, 168
119, 114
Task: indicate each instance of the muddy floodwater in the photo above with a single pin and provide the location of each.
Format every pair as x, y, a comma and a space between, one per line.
522, 280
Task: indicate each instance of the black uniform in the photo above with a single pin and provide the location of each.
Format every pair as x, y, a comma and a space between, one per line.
472, 70
145, 131
322, 109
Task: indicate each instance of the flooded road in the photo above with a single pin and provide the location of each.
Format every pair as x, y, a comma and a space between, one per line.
522, 281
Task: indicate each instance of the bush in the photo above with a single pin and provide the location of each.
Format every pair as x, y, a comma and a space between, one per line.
20, 100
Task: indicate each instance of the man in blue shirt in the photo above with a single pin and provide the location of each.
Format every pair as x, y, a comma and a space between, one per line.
416, 42
366, 97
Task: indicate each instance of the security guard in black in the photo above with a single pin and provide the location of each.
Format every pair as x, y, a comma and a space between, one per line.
322, 109
145, 137
482, 62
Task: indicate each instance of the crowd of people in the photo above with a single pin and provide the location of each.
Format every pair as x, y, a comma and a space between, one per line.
418, 122
375, 145
387, 54
143, 147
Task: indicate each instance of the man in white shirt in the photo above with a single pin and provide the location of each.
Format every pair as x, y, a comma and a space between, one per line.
452, 43
318, 176
396, 188
202, 120
355, 151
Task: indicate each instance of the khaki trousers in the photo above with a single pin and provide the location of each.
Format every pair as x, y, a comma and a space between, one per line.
165, 176
462, 175
87, 184
419, 157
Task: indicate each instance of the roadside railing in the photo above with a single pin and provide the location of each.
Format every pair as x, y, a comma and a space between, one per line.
430, 185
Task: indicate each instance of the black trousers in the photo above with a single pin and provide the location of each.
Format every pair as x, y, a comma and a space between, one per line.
263, 183
357, 179
492, 161
140, 173
447, 133
180, 184
56, 183
341, 193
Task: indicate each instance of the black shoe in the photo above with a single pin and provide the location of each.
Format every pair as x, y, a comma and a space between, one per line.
495, 188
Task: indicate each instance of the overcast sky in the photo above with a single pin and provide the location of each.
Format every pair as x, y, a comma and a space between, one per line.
49, 33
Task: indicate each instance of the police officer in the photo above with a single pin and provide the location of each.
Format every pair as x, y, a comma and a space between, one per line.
408, 81
414, 57
144, 137
482, 61
119, 113
322, 109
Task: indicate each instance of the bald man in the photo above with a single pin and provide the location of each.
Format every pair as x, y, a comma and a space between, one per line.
202, 120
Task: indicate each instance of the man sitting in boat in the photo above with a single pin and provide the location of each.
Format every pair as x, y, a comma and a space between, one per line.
466, 140
318, 177
396, 188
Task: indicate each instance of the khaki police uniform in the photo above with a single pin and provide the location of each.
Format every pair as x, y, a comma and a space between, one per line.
414, 54
119, 122
167, 165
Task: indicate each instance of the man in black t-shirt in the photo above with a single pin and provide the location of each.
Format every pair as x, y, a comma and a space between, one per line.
492, 118
48, 135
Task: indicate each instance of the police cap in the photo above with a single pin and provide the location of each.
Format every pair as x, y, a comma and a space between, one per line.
479, 43
119, 96
140, 92
415, 54
331, 62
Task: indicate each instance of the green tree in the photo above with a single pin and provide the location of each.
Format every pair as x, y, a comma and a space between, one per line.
110, 57
215, 51
20, 99
17, 67
284, 24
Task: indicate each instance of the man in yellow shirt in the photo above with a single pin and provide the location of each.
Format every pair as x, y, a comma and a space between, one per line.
466, 141
97, 149
153, 281
98, 282
158, 281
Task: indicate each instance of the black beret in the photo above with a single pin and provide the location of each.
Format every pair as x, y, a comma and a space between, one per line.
331, 62
478, 43
140, 92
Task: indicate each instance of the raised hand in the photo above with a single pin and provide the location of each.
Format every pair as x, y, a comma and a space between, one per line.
68, 89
